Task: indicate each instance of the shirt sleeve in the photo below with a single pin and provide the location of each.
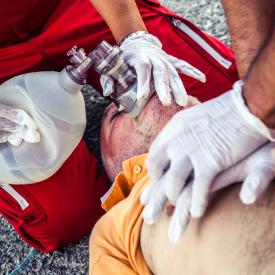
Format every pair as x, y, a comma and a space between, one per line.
108, 254
115, 240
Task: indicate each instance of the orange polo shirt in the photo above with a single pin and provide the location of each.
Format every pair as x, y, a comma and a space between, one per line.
115, 240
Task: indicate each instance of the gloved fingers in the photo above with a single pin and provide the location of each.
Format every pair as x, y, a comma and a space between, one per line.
256, 161
23, 133
177, 88
107, 83
256, 184
181, 215
177, 174
15, 139
8, 113
29, 135
147, 193
201, 189
167, 135
4, 136
235, 173
176, 178
8, 125
157, 164
161, 81
187, 69
15, 119
143, 70
158, 160
156, 204
26, 120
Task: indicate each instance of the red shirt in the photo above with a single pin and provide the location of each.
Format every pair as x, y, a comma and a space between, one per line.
20, 20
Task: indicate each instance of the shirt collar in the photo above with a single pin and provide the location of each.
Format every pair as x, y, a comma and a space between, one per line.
134, 168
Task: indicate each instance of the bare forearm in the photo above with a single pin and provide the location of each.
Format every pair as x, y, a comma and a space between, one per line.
122, 16
259, 89
250, 24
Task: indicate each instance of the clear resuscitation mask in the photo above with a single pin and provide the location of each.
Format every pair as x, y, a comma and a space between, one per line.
107, 60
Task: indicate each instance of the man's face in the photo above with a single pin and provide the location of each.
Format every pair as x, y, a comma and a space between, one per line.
123, 137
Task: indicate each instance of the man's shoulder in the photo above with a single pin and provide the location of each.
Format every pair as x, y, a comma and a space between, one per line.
133, 177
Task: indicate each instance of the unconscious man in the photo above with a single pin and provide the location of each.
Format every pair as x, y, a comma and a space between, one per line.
230, 239
63, 208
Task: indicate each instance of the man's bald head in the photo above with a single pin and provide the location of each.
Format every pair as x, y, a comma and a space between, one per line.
123, 137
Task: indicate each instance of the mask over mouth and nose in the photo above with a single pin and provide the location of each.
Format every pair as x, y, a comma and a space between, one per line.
118, 79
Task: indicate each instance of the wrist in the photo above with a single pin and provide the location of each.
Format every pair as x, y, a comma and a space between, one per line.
132, 35
260, 105
139, 37
249, 117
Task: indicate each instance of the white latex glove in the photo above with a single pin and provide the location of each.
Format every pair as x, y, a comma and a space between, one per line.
16, 125
204, 140
256, 172
143, 52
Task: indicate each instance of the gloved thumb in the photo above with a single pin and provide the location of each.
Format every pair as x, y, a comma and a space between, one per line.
108, 84
256, 184
147, 194
156, 203
187, 69
181, 215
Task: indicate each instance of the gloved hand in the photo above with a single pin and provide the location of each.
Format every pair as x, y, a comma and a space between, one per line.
204, 140
255, 171
143, 52
16, 125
